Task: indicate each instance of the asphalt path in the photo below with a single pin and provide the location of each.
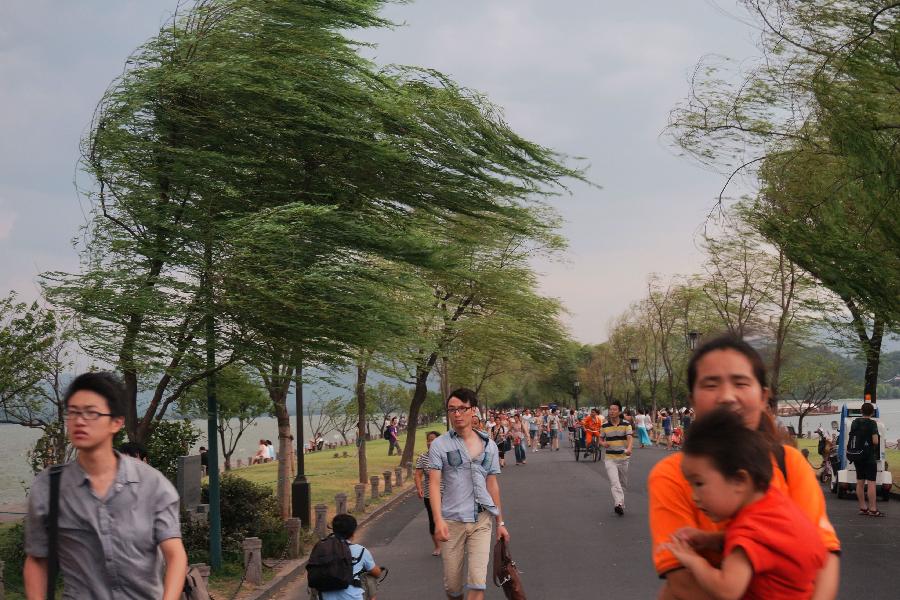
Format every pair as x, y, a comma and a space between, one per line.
568, 542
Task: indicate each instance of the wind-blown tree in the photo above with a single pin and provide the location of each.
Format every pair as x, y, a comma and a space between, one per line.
809, 381
816, 121
252, 169
26, 334
240, 402
40, 405
487, 273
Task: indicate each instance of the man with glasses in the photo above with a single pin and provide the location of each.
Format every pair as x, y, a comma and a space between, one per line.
467, 462
118, 527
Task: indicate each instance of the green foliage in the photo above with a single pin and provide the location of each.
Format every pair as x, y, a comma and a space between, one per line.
46, 450
12, 553
25, 333
170, 439
248, 510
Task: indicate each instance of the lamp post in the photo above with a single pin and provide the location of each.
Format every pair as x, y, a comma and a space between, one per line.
633, 367
692, 339
577, 387
300, 490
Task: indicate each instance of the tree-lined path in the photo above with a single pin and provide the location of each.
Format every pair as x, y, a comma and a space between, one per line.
568, 543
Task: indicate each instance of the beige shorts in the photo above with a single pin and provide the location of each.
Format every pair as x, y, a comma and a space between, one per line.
471, 543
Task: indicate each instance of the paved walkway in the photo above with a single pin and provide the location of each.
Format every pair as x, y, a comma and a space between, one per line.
567, 541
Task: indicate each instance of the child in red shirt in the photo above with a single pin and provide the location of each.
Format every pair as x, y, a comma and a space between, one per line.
772, 550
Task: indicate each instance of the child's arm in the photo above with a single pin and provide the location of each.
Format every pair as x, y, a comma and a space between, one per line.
728, 583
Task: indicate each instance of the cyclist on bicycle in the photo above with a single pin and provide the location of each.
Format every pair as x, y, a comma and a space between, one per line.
592, 424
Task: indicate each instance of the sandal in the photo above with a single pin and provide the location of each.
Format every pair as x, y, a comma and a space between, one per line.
864, 512
876, 513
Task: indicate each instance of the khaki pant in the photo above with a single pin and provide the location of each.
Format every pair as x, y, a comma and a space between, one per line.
469, 542
617, 473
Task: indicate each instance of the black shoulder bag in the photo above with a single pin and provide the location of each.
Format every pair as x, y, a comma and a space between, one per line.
53, 531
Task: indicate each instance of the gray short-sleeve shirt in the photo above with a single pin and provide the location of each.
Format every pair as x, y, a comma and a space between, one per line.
108, 548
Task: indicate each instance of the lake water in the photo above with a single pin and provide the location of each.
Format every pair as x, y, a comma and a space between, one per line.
15, 441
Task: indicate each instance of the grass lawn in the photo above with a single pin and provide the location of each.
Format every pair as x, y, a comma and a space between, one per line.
892, 457
328, 475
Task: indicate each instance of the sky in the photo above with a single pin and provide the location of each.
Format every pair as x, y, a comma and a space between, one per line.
589, 78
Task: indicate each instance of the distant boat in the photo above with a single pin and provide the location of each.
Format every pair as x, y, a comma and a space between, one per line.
792, 410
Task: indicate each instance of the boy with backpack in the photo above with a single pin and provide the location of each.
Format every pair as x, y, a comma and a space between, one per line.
863, 452
337, 566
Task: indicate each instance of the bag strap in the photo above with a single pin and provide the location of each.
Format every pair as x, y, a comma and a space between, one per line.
782, 464
53, 531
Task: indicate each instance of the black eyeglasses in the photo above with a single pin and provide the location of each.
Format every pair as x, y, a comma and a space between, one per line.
458, 409
87, 415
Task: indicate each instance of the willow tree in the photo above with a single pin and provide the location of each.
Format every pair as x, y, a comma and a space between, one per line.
817, 120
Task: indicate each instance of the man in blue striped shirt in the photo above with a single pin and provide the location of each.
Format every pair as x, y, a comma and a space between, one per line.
616, 437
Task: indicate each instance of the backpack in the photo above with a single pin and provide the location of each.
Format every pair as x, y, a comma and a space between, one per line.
821, 447
387, 433
330, 565
859, 442
194, 586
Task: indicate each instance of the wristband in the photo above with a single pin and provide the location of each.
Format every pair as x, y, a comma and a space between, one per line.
501, 524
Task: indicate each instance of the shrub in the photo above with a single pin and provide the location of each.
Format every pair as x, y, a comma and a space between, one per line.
12, 553
169, 440
248, 510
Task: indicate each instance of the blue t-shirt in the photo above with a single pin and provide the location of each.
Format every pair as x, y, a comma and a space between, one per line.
366, 564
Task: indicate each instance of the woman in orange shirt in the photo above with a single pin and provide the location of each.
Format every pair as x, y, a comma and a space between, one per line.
728, 372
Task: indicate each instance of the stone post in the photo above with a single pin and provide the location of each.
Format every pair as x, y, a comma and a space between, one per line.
360, 489
293, 528
387, 483
240, 463
253, 560
340, 504
398, 476
321, 520
409, 471
373, 481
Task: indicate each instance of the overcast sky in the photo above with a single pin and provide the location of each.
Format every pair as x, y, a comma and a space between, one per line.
590, 78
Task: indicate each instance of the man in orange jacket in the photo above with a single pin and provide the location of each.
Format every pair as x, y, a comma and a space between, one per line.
592, 424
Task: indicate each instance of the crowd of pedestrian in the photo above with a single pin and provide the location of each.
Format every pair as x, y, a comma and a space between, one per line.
737, 512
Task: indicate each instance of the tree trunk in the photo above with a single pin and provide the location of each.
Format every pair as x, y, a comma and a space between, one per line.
284, 453
419, 395
362, 373
873, 360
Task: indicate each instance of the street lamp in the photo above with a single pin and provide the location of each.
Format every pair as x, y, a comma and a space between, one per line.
577, 387
633, 365
692, 339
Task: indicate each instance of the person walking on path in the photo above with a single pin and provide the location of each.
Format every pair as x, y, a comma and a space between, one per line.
421, 479
118, 532
642, 421
864, 433
466, 462
726, 372
553, 426
571, 421
393, 433
666, 429
517, 430
534, 431
616, 436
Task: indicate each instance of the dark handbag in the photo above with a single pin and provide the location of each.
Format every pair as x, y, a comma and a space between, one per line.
506, 574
